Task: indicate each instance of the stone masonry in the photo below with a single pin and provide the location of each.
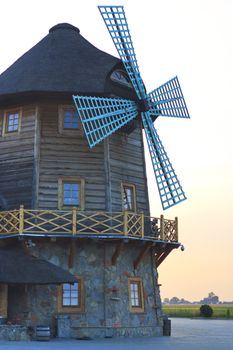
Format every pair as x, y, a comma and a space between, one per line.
106, 295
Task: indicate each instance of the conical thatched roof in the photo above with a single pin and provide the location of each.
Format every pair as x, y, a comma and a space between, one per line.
63, 62
18, 268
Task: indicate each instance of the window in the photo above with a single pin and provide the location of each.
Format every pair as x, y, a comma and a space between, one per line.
121, 77
128, 197
136, 298
68, 119
71, 296
71, 193
11, 122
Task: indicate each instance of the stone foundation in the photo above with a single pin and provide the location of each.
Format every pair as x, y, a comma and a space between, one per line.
67, 328
13, 332
106, 311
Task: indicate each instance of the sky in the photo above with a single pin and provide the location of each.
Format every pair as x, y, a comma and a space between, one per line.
193, 40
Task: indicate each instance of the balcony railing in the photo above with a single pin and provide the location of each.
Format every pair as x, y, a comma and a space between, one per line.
76, 223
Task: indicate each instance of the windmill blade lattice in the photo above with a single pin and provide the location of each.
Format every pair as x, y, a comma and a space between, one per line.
101, 116
170, 190
168, 100
116, 22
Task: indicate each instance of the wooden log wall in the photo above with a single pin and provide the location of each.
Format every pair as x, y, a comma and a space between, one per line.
67, 155
17, 161
32, 161
127, 164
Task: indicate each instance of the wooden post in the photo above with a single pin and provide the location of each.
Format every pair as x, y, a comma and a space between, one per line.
3, 300
176, 229
142, 224
118, 250
126, 223
21, 219
74, 220
71, 254
162, 227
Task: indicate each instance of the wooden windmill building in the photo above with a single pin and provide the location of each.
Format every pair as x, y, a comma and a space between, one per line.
82, 212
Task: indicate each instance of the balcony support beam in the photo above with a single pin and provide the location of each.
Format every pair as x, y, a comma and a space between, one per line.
118, 251
161, 256
141, 255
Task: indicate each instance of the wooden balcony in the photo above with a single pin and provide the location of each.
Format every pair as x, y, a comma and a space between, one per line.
75, 223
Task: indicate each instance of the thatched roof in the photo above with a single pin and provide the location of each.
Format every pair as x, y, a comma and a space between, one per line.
63, 62
16, 267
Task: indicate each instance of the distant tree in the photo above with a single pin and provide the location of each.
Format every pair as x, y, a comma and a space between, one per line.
206, 310
166, 301
215, 299
211, 299
174, 300
211, 295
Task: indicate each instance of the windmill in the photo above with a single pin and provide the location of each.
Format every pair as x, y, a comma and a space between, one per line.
102, 116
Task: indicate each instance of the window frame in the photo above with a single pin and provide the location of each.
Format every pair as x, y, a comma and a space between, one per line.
71, 308
134, 198
69, 131
141, 307
125, 82
61, 182
7, 112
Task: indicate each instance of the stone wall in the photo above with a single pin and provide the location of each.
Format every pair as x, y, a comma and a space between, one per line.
106, 311
13, 332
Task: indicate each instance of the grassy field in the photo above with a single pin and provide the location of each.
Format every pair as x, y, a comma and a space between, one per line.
220, 311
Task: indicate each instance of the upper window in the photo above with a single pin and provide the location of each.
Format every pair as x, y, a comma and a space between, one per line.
121, 77
68, 119
11, 122
71, 296
136, 298
128, 197
71, 193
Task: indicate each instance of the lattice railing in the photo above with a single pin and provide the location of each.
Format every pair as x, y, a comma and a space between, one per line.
170, 232
74, 222
134, 224
47, 221
103, 223
9, 222
161, 229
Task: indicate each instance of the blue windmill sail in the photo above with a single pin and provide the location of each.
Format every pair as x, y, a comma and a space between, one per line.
168, 100
169, 187
101, 117
116, 22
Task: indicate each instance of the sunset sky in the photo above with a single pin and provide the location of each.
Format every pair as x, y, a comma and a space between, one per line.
193, 40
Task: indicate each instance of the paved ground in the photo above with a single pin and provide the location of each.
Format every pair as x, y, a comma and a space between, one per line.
187, 334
